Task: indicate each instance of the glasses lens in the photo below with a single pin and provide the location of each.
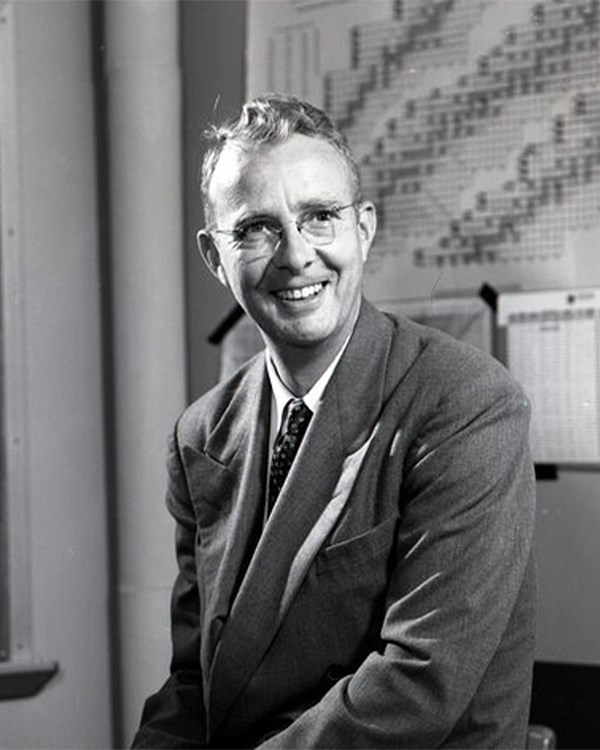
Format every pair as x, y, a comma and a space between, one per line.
257, 237
319, 230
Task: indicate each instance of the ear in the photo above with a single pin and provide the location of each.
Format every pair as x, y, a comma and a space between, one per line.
210, 253
367, 226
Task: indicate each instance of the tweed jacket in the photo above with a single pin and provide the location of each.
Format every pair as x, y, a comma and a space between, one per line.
389, 599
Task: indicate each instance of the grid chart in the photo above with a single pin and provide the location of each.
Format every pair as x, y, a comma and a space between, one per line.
477, 128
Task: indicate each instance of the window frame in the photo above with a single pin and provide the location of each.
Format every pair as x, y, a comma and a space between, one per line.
20, 673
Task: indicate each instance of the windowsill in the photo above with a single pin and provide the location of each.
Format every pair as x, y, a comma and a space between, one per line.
24, 679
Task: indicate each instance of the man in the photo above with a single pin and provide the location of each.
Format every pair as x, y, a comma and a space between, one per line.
381, 594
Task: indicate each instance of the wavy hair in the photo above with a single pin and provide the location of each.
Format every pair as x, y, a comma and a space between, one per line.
272, 118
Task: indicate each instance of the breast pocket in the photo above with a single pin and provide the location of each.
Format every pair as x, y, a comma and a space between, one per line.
367, 552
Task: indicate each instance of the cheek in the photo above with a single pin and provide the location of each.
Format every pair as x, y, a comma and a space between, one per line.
346, 264
223, 276
229, 274
245, 277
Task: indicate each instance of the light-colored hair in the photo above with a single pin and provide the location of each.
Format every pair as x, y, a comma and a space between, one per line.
272, 118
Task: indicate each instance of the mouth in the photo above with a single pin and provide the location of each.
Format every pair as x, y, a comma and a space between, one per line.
298, 294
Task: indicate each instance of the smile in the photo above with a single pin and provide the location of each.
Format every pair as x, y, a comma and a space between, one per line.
300, 293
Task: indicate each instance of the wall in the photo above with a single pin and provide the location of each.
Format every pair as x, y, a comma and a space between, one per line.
142, 130
57, 239
568, 528
213, 43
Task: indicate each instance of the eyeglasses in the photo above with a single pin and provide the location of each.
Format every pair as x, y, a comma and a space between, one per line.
263, 234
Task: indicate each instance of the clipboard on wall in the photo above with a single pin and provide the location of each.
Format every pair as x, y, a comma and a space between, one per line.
551, 345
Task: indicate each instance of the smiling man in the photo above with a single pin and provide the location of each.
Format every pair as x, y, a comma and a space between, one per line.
354, 507
293, 254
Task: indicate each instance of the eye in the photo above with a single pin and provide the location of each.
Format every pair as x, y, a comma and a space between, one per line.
320, 219
254, 230
323, 215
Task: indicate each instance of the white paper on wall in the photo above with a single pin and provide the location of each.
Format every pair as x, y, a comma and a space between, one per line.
553, 350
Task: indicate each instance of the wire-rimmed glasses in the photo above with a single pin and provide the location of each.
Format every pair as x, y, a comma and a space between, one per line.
263, 234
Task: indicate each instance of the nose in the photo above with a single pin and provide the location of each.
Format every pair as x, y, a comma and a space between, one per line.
293, 251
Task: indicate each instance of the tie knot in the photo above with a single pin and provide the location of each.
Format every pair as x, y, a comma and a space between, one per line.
296, 417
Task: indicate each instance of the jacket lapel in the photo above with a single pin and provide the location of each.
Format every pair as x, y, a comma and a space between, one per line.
228, 479
254, 617
324, 525
310, 503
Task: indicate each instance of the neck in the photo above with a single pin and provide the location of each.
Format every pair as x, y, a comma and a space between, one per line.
300, 368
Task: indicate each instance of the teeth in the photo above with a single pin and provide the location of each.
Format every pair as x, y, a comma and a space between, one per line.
302, 293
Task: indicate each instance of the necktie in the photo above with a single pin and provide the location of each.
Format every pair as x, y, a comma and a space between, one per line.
296, 417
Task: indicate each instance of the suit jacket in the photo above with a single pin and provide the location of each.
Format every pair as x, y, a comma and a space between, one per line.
388, 601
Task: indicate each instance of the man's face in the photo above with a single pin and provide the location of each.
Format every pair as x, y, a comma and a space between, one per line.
299, 294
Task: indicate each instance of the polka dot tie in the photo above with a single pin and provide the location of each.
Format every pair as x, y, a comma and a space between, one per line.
296, 417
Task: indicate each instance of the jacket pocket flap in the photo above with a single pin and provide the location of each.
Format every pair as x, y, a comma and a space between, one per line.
357, 550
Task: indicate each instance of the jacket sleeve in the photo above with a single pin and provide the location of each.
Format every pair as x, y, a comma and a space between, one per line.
174, 716
463, 552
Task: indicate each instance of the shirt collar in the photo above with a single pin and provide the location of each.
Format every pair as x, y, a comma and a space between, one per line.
281, 394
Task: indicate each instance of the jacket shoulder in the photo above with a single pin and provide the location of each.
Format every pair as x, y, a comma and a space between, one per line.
201, 417
445, 365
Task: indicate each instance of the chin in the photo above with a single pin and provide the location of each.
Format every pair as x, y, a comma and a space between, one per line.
307, 339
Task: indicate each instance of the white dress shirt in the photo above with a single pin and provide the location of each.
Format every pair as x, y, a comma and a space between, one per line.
281, 394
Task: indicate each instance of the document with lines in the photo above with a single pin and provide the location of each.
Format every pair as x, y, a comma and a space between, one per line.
553, 350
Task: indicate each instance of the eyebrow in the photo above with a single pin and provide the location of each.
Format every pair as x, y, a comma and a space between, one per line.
302, 208
250, 217
320, 203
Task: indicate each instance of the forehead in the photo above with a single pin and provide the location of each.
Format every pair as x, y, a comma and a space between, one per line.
301, 168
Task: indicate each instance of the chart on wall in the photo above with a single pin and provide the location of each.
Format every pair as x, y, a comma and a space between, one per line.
553, 349
475, 123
